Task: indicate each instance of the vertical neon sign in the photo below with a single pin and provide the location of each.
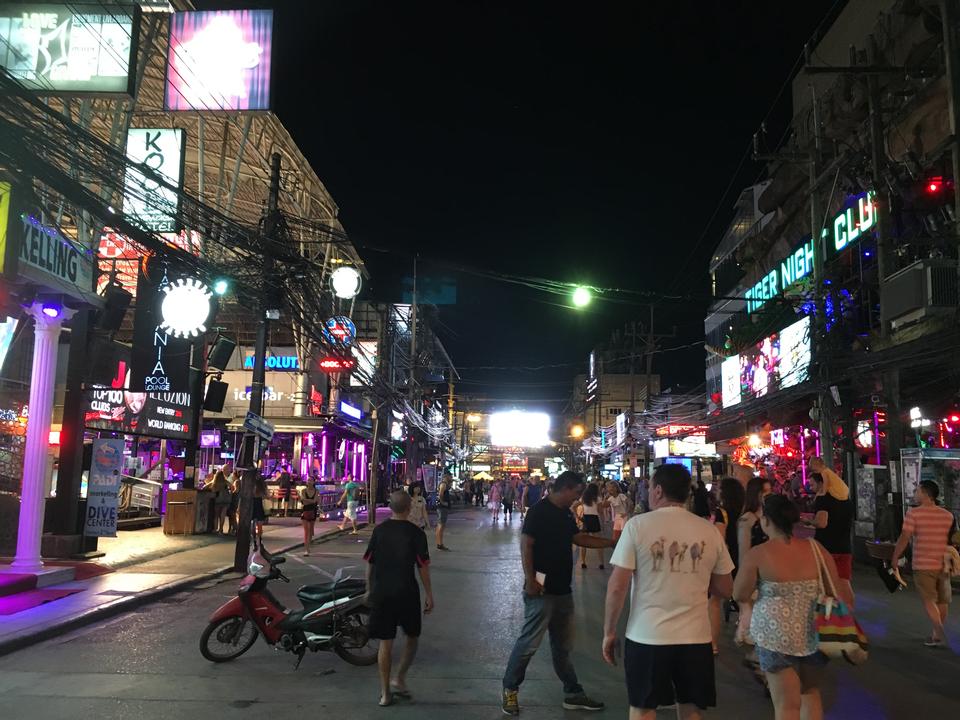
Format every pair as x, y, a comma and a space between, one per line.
323, 457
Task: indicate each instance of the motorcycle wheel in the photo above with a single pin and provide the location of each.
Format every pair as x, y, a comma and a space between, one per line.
227, 639
355, 645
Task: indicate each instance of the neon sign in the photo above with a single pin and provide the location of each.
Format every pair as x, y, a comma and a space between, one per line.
847, 227
333, 364
274, 362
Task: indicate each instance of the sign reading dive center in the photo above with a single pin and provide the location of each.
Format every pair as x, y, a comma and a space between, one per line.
847, 227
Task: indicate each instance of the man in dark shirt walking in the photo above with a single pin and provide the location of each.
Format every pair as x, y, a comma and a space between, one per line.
397, 547
549, 531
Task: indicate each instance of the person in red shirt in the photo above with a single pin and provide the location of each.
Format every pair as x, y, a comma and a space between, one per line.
929, 527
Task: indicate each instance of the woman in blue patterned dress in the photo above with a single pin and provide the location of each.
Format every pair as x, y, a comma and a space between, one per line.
785, 572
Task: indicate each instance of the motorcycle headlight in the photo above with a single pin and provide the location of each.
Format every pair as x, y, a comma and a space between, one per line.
255, 568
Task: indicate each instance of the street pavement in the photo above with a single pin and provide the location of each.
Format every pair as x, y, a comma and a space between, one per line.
146, 664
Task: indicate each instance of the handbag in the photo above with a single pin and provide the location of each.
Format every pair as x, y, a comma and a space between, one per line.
839, 635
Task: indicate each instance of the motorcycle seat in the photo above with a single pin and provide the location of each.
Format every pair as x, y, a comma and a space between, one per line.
325, 592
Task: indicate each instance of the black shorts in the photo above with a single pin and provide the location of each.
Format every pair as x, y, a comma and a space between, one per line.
390, 613
591, 523
662, 675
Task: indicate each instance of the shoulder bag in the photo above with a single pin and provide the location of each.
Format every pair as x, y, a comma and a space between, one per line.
839, 635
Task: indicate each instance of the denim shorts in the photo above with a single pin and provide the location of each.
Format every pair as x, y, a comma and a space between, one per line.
772, 661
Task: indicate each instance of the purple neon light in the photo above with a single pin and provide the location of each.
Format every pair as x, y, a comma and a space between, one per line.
354, 473
363, 464
876, 435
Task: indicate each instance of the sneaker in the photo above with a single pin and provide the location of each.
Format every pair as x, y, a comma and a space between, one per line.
511, 705
933, 642
581, 702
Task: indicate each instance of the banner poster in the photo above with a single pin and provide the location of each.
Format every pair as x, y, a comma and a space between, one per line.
103, 487
159, 362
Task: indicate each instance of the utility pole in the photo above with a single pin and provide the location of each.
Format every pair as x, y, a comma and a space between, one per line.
633, 356
250, 452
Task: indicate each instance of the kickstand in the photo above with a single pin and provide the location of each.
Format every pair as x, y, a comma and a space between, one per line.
301, 651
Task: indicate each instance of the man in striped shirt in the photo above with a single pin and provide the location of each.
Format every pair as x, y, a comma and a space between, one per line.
929, 527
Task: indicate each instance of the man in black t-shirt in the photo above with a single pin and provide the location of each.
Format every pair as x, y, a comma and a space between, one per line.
397, 547
549, 533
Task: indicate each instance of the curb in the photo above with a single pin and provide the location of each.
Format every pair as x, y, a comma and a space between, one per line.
126, 604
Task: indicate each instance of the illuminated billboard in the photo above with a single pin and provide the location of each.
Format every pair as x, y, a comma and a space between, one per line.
778, 361
219, 60
69, 48
146, 203
519, 429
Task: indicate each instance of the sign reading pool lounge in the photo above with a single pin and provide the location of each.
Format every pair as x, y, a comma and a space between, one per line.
848, 226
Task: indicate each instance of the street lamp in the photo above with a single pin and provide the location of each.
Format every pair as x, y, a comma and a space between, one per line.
576, 430
473, 418
581, 297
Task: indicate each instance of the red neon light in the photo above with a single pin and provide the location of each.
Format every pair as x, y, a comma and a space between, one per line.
54, 438
336, 364
933, 187
955, 418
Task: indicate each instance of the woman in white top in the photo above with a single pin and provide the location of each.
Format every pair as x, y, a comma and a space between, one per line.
587, 509
418, 507
789, 574
619, 506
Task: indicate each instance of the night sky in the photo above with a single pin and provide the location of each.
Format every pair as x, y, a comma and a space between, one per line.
582, 143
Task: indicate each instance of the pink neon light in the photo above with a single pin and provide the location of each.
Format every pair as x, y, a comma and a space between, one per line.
803, 458
355, 459
363, 464
876, 435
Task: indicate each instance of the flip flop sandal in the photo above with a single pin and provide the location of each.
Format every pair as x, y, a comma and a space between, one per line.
402, 694
386, 703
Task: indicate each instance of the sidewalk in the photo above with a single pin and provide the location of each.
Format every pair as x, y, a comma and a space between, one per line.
139, 567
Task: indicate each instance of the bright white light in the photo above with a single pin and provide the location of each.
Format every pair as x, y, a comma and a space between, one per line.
581, 297
517, 428
185, 308
345, 282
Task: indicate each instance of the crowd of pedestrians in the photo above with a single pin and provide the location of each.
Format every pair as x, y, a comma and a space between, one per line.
687, 563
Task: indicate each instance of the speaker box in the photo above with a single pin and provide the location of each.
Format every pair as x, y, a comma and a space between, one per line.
116, 302
216, 395
220, 353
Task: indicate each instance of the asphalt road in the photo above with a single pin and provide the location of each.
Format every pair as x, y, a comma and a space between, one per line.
147, 664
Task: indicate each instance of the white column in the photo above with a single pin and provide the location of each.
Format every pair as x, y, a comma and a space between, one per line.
43, 380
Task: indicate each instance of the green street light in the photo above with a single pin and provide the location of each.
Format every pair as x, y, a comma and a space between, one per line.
581, 297
221, 286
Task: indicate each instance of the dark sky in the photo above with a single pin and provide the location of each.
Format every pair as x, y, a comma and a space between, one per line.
586, 142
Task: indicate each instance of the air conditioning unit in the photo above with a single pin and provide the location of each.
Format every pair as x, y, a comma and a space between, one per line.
925, 289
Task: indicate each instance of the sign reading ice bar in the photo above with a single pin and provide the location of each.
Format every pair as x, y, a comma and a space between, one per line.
847, 227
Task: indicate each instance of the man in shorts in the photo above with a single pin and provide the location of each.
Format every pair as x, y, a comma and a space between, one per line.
350, 496
929, 526
673, 560
396, 547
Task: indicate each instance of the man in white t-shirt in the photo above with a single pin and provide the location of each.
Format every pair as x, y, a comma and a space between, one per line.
674, 559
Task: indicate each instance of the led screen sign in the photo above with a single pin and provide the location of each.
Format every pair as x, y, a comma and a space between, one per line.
847, 227
219, 60
147, 203
70, 48
116, 409
779, 361
519, 429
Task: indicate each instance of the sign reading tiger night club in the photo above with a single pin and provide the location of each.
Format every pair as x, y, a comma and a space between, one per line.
846, 229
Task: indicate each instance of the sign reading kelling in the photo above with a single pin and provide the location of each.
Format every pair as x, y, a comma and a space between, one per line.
52, 260
847, 228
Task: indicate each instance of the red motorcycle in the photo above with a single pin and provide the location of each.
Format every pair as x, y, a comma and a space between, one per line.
334, 617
